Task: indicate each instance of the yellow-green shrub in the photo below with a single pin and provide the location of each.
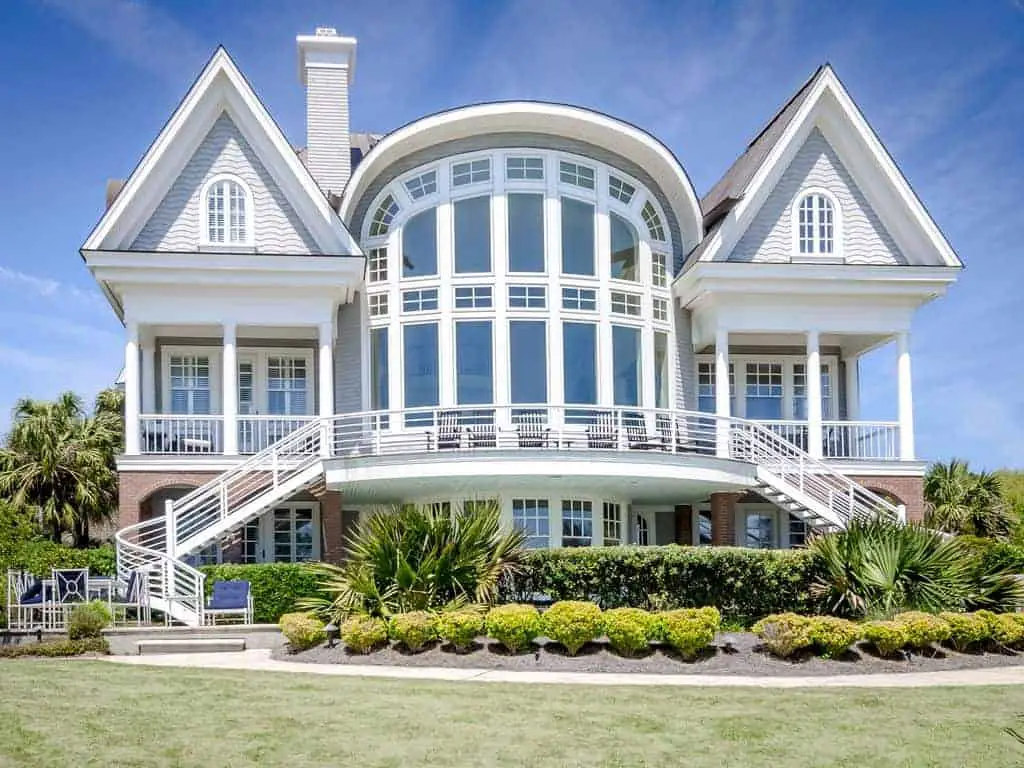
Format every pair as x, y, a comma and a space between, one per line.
572, 623
966, 629
302, 630
629, 630
887, 636
922, 629
88, 620
689, 630
1008, 629
833, 636
361, 634
460, 628
515, 625
784, 634
413, 630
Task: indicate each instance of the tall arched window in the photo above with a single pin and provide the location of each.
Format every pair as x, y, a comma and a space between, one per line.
228, 212
816, 225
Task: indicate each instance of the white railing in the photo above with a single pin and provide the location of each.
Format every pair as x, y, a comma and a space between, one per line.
175, 434
861, 440
257, 433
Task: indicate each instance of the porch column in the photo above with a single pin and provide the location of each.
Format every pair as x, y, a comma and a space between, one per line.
148, 374
229, 394
722, 390
326, 381
131, 388
905, 406
813, 395
852, 388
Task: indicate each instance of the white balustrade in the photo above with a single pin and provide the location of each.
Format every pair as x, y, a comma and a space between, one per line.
877, 440
178, 434
256, 433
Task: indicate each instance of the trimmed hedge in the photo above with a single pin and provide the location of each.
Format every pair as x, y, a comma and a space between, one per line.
746, 584
276, 587
41, 556
55, 648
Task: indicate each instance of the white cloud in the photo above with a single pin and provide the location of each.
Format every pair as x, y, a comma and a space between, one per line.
48, 288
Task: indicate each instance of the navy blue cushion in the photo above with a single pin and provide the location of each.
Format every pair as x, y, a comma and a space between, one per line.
32, 595
229, 595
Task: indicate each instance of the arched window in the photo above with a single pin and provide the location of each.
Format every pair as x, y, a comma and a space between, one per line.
228, 212
625, 249
816, 225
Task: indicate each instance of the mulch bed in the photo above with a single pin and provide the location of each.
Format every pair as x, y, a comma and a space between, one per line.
733, 653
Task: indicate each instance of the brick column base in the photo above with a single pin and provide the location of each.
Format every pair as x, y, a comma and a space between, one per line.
684, 524
332, 550
723, 519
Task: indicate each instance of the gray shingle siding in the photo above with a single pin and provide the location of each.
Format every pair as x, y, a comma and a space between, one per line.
770, 235
175, 225
328, 155
524, 141
348, 358
685, 375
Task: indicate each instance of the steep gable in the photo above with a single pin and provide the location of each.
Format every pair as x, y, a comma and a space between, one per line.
770, 237
176, 223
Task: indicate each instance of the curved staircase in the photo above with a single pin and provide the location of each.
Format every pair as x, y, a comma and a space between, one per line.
785, 475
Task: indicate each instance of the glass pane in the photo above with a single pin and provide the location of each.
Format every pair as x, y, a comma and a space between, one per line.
282, 535
379, 368
760, 532
474, 365
303, 535
626, 364
579, 362
661, 375
421, 375
473, 234
419, 245
529, 361
577, 237
625, 249
525, 233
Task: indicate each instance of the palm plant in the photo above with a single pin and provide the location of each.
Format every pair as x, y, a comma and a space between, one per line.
877, 568
964, 502
60, 460
412, 558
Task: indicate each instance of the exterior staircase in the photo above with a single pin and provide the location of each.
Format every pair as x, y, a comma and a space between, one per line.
785, 475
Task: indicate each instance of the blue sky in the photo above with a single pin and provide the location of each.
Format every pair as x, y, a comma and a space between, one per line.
87, 84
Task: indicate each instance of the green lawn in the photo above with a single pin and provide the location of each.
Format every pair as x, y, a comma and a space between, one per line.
77, 713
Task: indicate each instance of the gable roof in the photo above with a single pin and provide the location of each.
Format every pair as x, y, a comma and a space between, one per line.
219, 88
823, 101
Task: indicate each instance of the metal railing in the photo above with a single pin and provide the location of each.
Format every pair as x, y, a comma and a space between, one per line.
861, 440
176, 434
257, 433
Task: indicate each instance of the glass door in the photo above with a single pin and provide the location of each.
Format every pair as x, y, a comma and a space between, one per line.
296, 533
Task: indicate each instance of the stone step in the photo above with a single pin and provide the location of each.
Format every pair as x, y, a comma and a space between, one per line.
191, 645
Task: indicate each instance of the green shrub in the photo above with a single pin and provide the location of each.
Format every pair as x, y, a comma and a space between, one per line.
460, 628
572, 624
629, 630
833, 636
88, 620
1007, 629
745, 584
277, 588
689, 630
887, 636
302, 630
922, 629
785, 634
413, 630
55, 648
515, 626
966, 629
361, 634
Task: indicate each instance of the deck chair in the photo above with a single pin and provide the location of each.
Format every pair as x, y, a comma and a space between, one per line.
603, 433
449, 431
532, 429
230, 599
24, 600
132, 595
635, 426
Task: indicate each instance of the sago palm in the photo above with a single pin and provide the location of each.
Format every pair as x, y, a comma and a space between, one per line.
964, 502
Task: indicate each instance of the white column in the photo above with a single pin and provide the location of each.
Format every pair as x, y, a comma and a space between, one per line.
722, 389
229, 389
852, 388
148, 344
325, 365
813, 395
906, 396
131, 389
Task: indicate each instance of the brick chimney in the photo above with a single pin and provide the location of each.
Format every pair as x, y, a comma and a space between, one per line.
326, 67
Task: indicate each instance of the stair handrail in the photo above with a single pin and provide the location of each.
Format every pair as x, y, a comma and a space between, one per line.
814, 476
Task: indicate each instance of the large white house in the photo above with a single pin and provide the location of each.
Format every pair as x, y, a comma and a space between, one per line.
518, 301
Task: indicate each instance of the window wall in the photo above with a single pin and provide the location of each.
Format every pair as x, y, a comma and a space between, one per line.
771, 388
518, 276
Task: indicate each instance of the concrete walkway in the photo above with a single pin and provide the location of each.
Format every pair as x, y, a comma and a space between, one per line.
259, 660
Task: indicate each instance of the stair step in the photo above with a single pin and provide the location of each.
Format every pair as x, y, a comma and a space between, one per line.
192, 645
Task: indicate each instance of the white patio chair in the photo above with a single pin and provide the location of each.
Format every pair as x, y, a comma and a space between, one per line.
24, 600
132, 595
70, 588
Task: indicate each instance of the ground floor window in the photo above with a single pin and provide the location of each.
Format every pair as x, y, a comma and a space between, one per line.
643, 531
532, 517
577, 523
294, 537
611, 519
703, 528
797, 532
759, 531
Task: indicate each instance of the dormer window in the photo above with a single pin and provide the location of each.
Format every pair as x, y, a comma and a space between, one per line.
816, 225
228, 212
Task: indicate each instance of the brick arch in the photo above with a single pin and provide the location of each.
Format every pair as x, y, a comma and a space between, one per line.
906, 490
136, 488
887, 495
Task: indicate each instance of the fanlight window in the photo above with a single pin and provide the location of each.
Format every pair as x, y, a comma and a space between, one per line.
227, 213
816, 225
653, 222
383, 216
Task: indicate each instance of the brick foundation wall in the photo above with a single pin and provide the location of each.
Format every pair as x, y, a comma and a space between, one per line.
133, 488
906, 490
723, 519
332, 526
